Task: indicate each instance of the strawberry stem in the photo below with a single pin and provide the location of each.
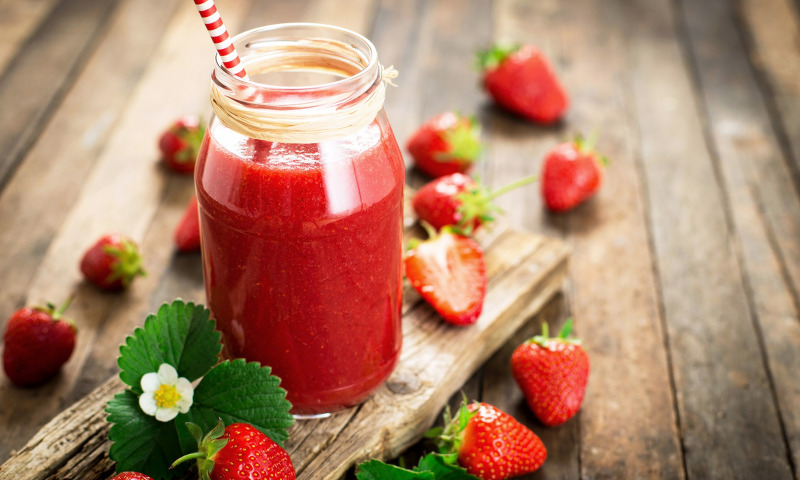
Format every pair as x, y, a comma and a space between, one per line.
429, 229
207, 448
60, 310
563, 335
512, 186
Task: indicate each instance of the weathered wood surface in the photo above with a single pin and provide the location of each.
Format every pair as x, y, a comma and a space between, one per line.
684, 280
525, 271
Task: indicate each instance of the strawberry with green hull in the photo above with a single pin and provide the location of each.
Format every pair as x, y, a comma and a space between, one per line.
459, 201
552, 373
521, 80
445, 144
489, 443
449, 272
572, 172
112, 262
187, 232
180, 144
238, 452
38, 342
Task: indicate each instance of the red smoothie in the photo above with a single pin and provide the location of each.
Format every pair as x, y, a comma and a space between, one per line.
302, 247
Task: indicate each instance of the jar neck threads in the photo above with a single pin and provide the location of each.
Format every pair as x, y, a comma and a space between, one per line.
309, 83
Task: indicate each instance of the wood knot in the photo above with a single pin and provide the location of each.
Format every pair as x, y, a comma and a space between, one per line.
403, 383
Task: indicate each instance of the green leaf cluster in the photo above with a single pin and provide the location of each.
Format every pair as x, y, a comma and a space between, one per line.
431, 467
183, 335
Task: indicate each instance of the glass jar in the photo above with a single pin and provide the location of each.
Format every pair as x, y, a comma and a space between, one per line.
300, 187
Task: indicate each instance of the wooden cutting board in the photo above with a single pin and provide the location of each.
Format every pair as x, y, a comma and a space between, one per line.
525, 270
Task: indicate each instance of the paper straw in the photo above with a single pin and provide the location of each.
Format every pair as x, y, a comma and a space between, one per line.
219, 35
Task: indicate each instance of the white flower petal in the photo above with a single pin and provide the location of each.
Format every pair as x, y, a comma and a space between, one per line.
166, 414
167, 374
150, 382
184, 387
148, 403
184, 404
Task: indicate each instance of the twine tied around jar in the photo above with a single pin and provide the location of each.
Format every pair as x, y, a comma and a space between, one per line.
245, 114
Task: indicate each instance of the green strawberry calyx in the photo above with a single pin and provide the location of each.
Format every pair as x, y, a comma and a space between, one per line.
193, 138
127, 264
449, 438
563, 336
586, 146
208, 446
57, 313
464, 139
477, 202
491, 58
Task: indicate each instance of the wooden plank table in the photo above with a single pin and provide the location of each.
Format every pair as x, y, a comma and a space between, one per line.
684, 279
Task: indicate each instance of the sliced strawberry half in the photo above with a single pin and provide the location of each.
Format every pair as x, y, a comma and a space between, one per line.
449, 272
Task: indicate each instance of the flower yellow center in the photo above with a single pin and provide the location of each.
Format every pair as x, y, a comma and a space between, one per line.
166, 396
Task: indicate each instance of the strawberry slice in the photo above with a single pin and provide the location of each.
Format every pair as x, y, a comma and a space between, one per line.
445, 144
449, 271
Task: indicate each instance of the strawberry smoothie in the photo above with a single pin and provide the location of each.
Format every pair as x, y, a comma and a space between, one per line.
302, 246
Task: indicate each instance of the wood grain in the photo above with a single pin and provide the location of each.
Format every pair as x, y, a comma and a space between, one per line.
47, 183
685, 277
43, 70
722, 387
764, 206
129, 184
608, 232
19, 20
773, 27
527, 271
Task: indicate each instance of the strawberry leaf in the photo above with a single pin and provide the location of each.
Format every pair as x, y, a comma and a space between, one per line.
431, 467
491, 58
143, 444
442, 469
180, 334
377, 470
241, 392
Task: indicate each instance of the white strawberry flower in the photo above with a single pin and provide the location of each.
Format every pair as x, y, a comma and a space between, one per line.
165, 394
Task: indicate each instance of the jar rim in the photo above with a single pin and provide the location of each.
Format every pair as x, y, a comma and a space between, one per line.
243, 42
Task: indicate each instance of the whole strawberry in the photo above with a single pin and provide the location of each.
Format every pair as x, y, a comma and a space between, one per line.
571, 173
459, 201
489, 443
180, 143
38, 341
449, 272
238, 451
552, 373
131, 476
520, 79
445, 144
112, 262
187, 232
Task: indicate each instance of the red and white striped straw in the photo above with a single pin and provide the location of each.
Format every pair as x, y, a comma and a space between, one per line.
219, 35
